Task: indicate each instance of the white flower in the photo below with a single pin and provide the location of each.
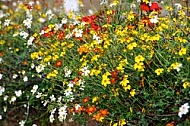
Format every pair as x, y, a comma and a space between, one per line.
15, 76
104, 2
85, 71
57, 27
1, 60
25, 78
59, 99
24, 34
77, 106
34, 125
71, 5
154, 19
4, 7
71, 84
7, 22
62, 110
18, 93
51, 118
42, 32
178, 6
68, 92
27, 22
67, 72
178, 67
39, 68
5, 108
39, 95
2, 89
1, 75
30, 40
21, 123
45, 102
1, 117
13, 99
133, 6
34, 89
90, 12
78, 32
184, 109
52, 97
32, 66
41, 20
5, 97
64, 21
53, 111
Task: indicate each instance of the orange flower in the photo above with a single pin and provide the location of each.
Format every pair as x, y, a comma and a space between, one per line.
91, 109
103, 112
80, 109
86, 99
82, 49
24, 63
1, 54
58, 63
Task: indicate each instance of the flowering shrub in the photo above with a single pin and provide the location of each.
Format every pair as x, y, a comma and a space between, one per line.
117, 66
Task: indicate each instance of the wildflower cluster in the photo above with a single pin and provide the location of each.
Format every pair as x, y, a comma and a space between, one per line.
119, 67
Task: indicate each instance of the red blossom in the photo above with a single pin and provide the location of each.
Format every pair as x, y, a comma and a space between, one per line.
113, 80
144, 7
58, 63
60, 35
155, 6
47, 34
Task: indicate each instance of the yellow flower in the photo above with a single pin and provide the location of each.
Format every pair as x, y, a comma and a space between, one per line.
139, 58
146, 1
186, 84
176, 66
131, 45
115, 124
139, 66
159, 71
125, 81
182, 51
94, 99
105, 80
122, 122
132, 92
109, 12
2, 42
128, 87
95, 57
131, 16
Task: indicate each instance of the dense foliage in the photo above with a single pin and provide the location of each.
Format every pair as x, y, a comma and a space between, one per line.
120, 66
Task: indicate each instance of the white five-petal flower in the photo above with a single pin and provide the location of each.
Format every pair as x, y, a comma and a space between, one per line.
184, 109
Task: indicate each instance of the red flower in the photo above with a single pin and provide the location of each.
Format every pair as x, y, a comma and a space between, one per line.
113, 80
58, 63
47, 34
155, 6
144, 7
114, 73
146, 21
147, 8
60, 35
